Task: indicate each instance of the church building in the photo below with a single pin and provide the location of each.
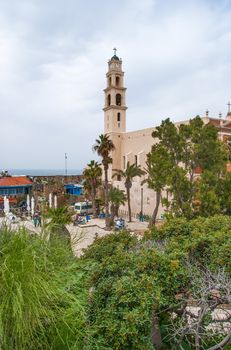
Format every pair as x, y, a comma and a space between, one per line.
133, 146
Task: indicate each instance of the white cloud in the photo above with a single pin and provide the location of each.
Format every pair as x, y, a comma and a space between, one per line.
54, 59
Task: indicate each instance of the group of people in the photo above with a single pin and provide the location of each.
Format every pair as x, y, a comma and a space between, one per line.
119, 224
81, 220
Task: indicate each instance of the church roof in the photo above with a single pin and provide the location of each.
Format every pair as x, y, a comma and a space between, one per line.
115, 58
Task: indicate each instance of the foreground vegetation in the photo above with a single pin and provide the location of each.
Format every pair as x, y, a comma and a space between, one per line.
138, 284
122, 294
42, 298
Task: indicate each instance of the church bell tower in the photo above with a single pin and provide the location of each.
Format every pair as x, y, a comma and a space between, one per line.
115, 105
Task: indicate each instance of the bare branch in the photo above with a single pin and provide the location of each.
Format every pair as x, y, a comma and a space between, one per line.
224, 342
206, 312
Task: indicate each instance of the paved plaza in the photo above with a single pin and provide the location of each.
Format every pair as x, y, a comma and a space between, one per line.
83, 235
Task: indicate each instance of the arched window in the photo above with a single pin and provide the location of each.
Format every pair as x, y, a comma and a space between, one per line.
117, 81
118, 117
109, 81
109, 100
118, 100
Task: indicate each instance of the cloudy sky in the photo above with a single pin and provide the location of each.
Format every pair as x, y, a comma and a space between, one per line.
53, 59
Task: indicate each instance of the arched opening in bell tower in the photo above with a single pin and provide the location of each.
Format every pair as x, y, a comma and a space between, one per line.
118, 100
109, 100
117, 81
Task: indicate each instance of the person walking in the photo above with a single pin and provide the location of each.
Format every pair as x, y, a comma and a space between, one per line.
35, 219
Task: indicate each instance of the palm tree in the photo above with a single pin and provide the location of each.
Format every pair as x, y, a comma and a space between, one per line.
104, 146
128, 174
117, 197
58, 219
92, 179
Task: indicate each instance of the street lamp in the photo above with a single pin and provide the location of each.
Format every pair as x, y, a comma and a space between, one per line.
142, 200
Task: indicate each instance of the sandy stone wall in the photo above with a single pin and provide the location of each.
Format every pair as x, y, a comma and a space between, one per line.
43, 185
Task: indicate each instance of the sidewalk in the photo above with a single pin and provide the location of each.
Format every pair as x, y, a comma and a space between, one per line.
28, 224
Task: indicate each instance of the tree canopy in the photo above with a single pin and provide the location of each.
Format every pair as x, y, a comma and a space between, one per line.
192, 160
137, 284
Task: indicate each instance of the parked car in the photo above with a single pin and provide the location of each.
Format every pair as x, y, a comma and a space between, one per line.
83, 208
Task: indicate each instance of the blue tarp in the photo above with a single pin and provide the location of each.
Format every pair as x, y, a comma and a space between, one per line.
74, 189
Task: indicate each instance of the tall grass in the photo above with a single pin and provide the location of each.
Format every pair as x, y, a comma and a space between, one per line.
42, 298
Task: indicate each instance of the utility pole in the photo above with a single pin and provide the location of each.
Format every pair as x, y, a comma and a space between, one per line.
65, 164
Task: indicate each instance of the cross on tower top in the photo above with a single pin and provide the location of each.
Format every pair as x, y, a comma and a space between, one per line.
115, 49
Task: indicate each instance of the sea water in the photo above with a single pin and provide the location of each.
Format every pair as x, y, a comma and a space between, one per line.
44, 172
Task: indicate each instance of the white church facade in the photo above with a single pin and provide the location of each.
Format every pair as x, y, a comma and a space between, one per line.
133, 146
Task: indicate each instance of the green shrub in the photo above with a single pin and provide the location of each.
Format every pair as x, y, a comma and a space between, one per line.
128, 280
41, 292
131, 279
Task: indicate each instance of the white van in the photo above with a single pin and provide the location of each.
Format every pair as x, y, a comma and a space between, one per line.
83, 208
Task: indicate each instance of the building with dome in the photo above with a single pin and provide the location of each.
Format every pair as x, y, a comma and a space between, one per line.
133, 146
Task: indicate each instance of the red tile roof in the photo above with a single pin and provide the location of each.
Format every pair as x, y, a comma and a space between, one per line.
14, 181
11, 200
